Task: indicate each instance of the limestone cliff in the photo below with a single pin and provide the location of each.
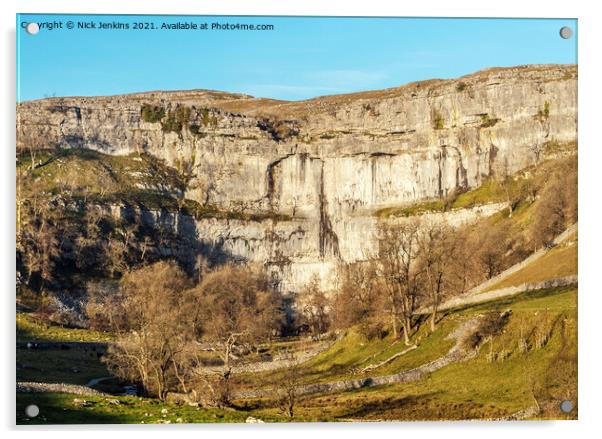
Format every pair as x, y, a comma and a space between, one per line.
327, 164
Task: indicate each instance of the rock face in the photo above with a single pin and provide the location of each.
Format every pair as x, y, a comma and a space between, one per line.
327, 163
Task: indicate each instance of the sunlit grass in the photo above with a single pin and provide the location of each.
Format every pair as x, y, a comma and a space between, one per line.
559, 262
30, 328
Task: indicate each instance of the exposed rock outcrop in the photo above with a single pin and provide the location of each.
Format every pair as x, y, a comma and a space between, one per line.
33, 387
327, 163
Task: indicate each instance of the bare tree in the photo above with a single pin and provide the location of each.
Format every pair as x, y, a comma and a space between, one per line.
118, 248
116, 252
313, 305
464, 270
88, 242
144, 245
288, 393
201, 267
237, 309
557, 205
20, 200
104, 306
38, 237
398, 269
436, 242
493, 245
156, 328
357, 301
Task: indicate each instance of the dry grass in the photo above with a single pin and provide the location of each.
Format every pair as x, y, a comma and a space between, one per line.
240, 103
561, 261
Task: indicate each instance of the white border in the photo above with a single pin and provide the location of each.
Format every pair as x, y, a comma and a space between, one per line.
590, 162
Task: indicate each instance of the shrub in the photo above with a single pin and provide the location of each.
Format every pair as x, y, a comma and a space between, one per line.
546, 109
207, 119
357, 301
491, 325
461, 86
176, 119
196, 130
488, 121
170, 124
312, 305
282, 130
104, 306
151, 113
437, 120
374, 330
543, 114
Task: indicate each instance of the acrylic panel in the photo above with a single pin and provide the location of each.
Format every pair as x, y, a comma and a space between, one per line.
310, 219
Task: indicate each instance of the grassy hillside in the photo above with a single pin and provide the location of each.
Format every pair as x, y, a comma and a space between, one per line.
82, 172
348, 356
561, 261
30, 328
490, 191
57, 408
139, 180
532, 362
77, 363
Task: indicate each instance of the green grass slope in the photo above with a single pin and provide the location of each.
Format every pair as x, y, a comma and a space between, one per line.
30, 328
531, 362
348, 356
57, 408
139, 180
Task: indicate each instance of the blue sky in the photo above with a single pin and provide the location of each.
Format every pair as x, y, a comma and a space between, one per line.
301, 58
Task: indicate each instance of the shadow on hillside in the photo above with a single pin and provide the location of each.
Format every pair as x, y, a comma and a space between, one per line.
71, 363
53, 410
386, 408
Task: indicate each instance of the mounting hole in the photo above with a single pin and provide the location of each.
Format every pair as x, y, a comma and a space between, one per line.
566, 32
32, 28
566, 406
32, 411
